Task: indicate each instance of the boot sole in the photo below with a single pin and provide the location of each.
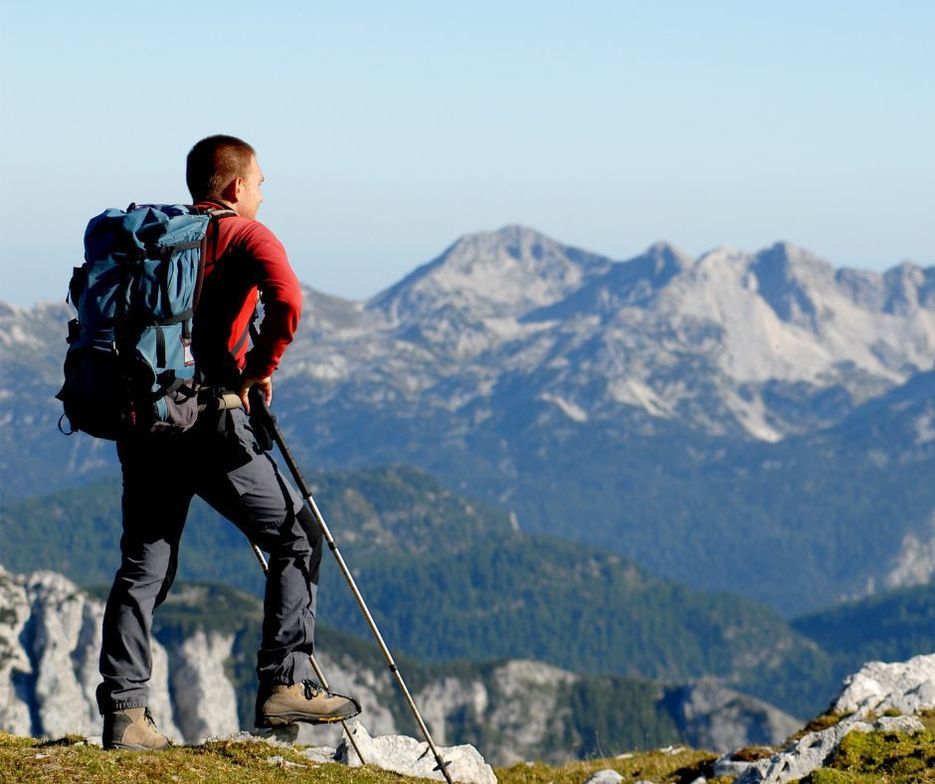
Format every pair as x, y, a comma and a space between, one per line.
282, 719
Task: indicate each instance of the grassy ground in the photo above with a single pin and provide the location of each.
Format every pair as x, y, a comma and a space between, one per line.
874, 758
71, 760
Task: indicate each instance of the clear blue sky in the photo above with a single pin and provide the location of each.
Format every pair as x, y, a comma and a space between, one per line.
386, 130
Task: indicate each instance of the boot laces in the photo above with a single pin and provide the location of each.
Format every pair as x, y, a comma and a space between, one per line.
311, 690
148, 717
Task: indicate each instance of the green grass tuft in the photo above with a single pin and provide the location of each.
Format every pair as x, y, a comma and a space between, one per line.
880, 758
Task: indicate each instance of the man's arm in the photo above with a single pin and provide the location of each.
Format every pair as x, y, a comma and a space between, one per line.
281, 296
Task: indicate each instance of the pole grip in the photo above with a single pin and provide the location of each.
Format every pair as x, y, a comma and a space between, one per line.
222, 402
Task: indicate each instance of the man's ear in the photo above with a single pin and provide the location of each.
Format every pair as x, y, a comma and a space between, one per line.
233, 190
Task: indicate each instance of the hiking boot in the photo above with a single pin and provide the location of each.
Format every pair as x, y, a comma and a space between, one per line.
134, 729
305, 701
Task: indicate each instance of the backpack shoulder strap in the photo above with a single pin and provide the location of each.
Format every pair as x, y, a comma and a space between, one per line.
213, 217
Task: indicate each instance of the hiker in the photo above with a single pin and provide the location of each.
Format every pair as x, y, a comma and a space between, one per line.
219, 460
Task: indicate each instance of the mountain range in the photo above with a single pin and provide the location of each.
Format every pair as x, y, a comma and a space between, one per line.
753, 422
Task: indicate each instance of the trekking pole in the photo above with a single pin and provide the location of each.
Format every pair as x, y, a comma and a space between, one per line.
227, 401
311, 657
268, 420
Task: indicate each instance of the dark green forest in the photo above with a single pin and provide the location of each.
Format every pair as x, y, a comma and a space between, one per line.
797, 524
450, 579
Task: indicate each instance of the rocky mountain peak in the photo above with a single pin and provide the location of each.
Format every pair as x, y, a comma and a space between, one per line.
785, 261
498, 273
907, 287
659, 264
668, 258
624, 283
789, 278
322, 311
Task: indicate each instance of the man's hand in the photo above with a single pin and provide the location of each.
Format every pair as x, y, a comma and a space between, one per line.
265, 386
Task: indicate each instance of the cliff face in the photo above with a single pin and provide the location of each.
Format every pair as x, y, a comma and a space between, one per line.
513, 710
50, 637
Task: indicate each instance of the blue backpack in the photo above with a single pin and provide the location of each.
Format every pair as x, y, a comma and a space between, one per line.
129, 366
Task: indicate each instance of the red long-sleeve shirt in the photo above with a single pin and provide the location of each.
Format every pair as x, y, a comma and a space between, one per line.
244, 264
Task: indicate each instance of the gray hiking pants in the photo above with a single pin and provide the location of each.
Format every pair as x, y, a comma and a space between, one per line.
219, 461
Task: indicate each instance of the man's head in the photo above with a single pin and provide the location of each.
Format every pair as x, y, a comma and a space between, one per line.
224, 168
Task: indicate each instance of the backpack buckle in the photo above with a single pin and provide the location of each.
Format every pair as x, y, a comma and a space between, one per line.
74, 331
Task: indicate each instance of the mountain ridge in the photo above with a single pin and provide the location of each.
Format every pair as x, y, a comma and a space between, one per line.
631, 413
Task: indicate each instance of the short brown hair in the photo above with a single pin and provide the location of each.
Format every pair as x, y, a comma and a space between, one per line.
213, 162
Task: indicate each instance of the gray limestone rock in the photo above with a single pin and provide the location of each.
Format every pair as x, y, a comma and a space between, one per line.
65, 645
160, 701
47, 685
445, 696
715, 717
605, 776
727, 766
525, 706
411, 757
907, 687
814, 749
321, 753
801, 758
14, 661
205, 702
905, 724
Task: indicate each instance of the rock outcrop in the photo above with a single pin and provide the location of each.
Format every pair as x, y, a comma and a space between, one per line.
712, 716
14, 661
205, 701
48, 660
411, 757
907, 687
523, 700
606, 776
811, 751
